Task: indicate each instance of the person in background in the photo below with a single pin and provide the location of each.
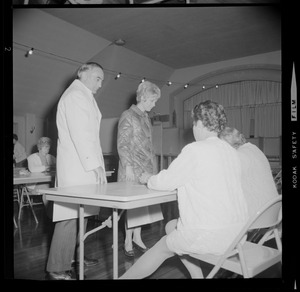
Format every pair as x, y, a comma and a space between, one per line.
212, 206
257, 179
19, 156
135, 149
41, 161
79, 160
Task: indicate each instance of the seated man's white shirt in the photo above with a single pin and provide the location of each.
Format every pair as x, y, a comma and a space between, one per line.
211, 202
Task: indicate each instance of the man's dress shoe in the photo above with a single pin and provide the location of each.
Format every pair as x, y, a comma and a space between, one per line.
59, 276
90, 262
87, 262
129, 253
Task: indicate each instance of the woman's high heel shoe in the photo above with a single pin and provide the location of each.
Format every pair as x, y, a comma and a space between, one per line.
129, 253
138, 247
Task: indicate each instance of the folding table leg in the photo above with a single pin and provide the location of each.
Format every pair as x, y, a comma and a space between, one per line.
115, 243
30, 204
21, 203
81, 241
25, 193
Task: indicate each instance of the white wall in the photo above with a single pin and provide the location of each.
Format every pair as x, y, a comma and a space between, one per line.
108, 135
39, 80
30, 129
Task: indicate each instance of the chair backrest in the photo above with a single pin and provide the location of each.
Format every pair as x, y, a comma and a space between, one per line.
268, 216
277, 177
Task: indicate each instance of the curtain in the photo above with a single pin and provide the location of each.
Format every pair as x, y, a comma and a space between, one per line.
243, 101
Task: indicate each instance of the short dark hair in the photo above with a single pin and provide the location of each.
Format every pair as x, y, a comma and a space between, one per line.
87, 66
15, 137
211, 114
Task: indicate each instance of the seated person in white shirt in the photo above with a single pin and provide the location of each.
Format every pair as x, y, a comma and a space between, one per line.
257, 179
41, 161
212, 206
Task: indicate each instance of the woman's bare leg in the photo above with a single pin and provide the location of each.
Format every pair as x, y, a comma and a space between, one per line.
170, 226
192, 265
137, 236
150, 261
128, 238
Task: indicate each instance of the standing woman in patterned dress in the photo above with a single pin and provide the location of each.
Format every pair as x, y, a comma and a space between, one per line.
135, 149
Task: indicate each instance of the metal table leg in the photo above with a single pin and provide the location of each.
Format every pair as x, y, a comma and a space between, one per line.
81, 241
115, 243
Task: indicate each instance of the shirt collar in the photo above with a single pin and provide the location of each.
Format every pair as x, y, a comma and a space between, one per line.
138, 111
79, 83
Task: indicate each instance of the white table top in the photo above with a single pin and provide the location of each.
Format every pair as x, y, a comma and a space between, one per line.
37, 177
125, 195
33, 177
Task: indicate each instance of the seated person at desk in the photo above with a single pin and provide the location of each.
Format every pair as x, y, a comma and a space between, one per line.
19, 155
41, 161
212, 207
257, 179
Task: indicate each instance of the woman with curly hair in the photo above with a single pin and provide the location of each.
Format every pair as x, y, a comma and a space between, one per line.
212, 207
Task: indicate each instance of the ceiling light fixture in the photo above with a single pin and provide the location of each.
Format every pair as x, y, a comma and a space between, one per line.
30, 52
118, 76
120, 42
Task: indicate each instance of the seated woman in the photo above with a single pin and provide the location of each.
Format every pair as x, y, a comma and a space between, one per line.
212, 207
40, 162
257, 179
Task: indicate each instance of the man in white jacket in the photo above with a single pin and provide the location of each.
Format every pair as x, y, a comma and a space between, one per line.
79, 160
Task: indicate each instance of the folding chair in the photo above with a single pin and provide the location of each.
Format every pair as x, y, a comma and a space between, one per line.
248, 258
278, 182
27, 193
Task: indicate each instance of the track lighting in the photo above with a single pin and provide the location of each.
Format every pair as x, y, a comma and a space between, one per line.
30, 52
119, 42
118, 76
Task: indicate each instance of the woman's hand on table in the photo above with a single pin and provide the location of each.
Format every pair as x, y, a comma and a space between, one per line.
144, 177
129, 173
